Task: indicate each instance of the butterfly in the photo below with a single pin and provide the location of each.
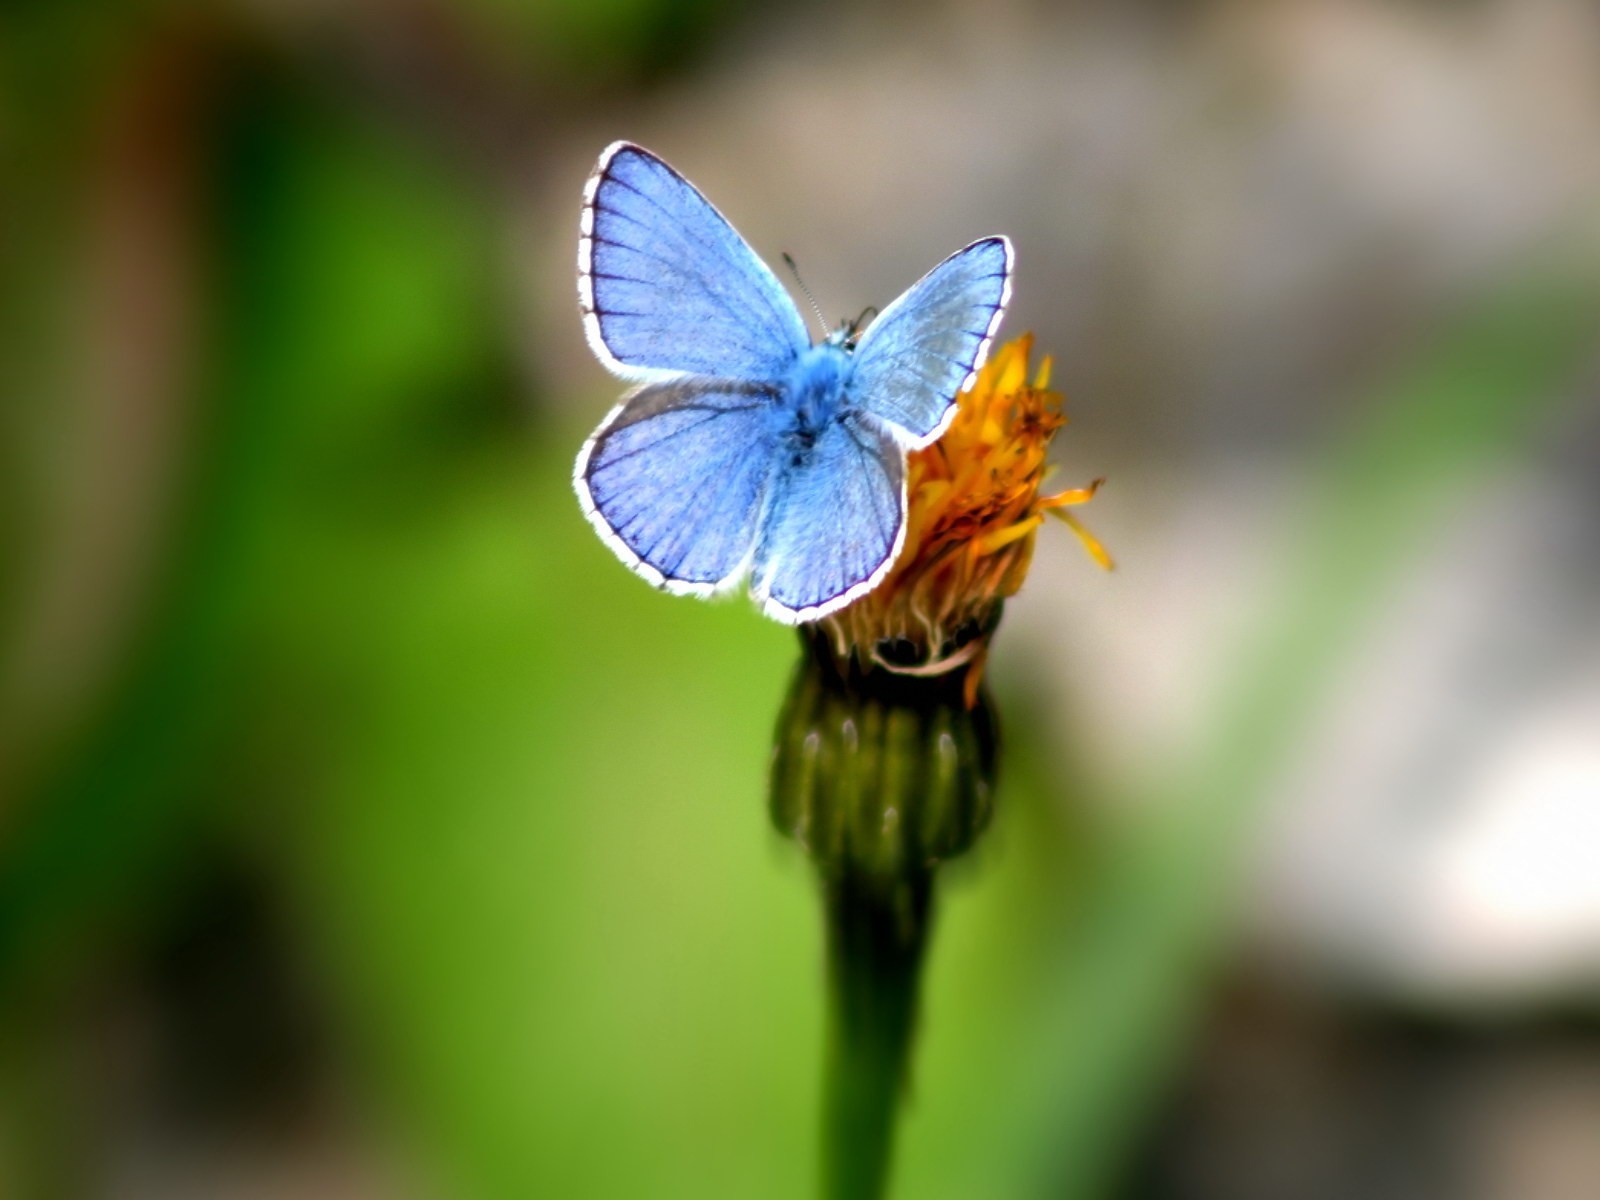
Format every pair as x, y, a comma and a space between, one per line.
746, 452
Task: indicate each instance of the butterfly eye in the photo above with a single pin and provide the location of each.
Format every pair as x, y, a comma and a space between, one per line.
852, 330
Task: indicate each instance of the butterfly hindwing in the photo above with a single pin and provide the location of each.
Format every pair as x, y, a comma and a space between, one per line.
927, 346
667, 285
676, 478
836, 523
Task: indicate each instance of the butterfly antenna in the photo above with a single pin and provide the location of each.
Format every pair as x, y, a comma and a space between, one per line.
822, 321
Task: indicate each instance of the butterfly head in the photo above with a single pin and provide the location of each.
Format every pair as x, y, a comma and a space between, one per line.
850, 330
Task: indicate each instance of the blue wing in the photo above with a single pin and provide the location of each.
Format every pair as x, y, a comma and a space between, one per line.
675, 478
668, 287
835, 525
927, 346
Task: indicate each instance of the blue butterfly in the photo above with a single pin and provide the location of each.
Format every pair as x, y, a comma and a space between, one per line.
746, 451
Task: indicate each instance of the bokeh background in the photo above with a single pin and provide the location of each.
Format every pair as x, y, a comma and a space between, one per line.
367, 831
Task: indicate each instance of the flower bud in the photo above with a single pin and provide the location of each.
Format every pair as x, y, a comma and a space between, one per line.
878, 773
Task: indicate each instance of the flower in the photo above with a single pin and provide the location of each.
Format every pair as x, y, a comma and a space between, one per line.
974, 510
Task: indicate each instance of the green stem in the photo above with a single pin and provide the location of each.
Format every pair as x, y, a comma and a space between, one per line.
879, 778
877, 931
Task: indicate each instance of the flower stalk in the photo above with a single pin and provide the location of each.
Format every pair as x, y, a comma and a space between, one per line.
887, 748
879, 777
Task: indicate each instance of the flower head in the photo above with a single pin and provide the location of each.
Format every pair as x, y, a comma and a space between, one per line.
974, 509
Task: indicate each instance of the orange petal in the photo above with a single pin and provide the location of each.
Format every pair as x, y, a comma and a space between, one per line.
991, 542
1090, 542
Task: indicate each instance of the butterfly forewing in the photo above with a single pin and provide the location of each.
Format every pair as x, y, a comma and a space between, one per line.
927, 346
668, 287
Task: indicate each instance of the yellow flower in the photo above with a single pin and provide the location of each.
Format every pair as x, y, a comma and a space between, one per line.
974, 510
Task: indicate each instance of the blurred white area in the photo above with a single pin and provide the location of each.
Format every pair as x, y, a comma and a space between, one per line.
1439, 835
1229, 220
1444, 830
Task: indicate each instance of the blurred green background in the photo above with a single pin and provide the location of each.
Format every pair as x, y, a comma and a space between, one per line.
367, 831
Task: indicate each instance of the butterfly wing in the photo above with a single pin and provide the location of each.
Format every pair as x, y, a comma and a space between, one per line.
668, 287
675, 479
927, 346
835, 525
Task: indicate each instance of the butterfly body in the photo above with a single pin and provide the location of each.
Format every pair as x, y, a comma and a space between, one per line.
746, 451
813, 394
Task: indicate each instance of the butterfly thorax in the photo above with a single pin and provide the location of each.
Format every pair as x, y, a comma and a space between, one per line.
813, 393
